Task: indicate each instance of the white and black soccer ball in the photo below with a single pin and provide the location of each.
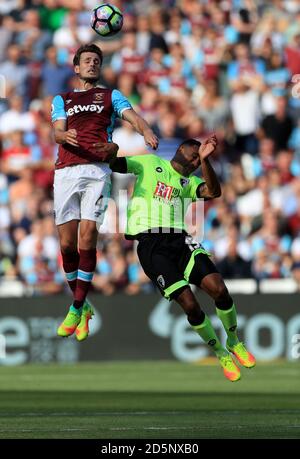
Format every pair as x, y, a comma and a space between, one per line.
106, 20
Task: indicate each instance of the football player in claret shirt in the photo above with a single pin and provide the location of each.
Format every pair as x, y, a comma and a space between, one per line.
83, 122
169, 256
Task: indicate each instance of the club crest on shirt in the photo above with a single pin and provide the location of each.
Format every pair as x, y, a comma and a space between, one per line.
98, 98
184, 182
158, 169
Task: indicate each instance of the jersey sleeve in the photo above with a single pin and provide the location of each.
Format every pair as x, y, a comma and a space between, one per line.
58, 111
136, 164
194, 183
119, 102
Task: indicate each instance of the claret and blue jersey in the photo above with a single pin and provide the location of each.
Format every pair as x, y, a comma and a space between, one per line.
92, 113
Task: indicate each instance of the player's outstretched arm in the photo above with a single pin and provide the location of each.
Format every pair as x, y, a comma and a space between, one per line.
142, 127
118, 165
61, 135
211, 188
108, 151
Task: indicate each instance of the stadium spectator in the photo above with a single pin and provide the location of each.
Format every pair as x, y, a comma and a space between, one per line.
71, 35
15, 118
30, 34
14, 71
233, 266
55, 75
278, 126
16, 156
6, 34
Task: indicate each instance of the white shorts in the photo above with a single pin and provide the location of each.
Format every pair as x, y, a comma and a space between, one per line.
81, 193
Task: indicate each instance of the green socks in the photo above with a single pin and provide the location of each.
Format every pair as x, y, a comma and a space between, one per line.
207, 333
229, 321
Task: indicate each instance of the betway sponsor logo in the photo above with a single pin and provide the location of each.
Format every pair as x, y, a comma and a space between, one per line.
85, 108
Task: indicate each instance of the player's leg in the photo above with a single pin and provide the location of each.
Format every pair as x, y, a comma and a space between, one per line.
67, 216
87, 263
202, 325
68, 236
213, 284
93, 207
158, 259
88, 234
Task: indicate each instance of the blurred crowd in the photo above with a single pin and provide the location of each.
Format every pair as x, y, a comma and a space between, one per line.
190, 68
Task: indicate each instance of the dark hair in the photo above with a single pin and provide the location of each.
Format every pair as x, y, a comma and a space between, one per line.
189, 143
87, 49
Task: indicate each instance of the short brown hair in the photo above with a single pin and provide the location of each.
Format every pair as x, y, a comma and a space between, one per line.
87, 49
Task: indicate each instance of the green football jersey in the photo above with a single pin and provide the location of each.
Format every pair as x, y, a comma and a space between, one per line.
161, 195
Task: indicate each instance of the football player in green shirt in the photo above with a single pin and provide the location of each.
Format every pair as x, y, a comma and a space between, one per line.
168, 254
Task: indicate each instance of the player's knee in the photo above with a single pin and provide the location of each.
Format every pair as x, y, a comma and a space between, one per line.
191, 308
196, 316
221, 293
67, 247
88, 239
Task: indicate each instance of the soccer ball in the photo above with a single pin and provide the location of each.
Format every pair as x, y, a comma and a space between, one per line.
106, 20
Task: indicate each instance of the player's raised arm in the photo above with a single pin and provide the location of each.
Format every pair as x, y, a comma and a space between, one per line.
211, 188
108, 150
142, 127
118, 165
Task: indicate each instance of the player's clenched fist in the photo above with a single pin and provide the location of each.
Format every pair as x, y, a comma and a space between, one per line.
106, 150
70, 137
208, 147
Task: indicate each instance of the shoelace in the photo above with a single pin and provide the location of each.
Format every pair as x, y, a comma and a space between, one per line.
72, 315
227, 360
240, 347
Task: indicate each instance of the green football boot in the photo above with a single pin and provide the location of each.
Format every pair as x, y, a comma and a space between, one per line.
70, 323
82, 330
243, 356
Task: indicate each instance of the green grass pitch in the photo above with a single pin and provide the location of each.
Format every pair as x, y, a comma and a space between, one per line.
149, 400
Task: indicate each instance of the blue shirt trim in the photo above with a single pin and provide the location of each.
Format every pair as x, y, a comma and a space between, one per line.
58, 109
119, 102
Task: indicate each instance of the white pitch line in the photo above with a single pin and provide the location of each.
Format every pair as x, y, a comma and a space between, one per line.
43, 430
150, 413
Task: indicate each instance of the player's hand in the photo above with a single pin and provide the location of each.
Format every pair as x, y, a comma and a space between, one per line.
107, 150
71, 137
150, 139
208, 147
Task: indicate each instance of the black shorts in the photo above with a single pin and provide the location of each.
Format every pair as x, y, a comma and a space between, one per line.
173, 261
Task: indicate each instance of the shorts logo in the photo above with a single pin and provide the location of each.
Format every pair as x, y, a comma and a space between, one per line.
161, 281
158, 169
212, 342
184, 182
98, 203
